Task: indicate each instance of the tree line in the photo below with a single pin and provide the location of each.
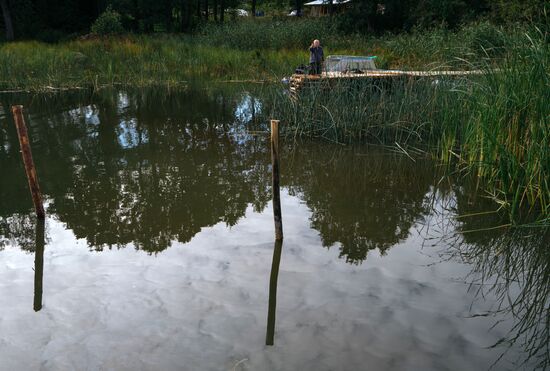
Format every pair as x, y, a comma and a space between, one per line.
53, 19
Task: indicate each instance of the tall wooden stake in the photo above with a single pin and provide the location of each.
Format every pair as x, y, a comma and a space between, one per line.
38, 264
276, 189
272, 308
27, 160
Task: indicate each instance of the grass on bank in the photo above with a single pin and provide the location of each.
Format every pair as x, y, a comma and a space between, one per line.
240, 50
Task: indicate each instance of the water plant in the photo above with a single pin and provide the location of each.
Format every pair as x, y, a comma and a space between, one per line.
495, 126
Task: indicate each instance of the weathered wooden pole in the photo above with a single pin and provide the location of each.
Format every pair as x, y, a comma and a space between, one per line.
276, 188
272, 307
38, 264
27, 160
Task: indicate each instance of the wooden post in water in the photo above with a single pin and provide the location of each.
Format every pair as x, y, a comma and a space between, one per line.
27, 160
272, 307
275, 171
38, 264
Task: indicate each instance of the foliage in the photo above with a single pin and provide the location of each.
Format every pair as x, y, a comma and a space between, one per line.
108, 23
520, 10
285, 33
486, 39
31, 18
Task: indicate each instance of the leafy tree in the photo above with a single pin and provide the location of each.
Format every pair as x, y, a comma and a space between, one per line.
429, 12
526, 10
8, 24
108, 23
367, 16
51, 20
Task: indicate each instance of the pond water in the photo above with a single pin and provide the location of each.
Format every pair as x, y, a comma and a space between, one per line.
158, 248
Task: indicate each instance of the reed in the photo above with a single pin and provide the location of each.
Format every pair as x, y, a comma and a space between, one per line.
513, 267
251, 49
495, 126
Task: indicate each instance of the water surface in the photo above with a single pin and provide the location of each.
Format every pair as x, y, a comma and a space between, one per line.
158, 250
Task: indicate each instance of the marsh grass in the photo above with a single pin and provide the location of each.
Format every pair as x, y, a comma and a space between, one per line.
136, 61
495, 127
239, 50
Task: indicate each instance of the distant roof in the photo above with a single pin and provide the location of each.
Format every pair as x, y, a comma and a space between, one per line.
326, 2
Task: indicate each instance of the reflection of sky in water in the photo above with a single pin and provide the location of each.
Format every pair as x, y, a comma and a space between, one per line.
247, 108
123, 102
245, 111
89, 113
203, 305
128, 135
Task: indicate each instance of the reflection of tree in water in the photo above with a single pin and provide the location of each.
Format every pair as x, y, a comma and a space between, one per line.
364, 201
147, 171
17, 230
511, 265
180, 175
17, 223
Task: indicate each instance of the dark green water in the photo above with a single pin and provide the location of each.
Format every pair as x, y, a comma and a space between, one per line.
158, 248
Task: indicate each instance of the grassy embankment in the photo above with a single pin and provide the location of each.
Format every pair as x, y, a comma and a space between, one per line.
241, 50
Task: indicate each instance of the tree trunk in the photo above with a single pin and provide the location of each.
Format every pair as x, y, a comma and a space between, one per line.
199, 9
222, 10
206, 9
253, 8
8, 24
183, 16
168, 16
298, 8
331, 8
215, 8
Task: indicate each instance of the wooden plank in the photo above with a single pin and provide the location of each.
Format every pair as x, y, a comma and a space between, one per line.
301, 81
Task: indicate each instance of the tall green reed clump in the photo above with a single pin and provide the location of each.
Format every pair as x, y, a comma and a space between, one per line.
374, 110
495, 126
504, 135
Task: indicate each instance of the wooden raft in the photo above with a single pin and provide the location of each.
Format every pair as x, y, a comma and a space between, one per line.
299, 81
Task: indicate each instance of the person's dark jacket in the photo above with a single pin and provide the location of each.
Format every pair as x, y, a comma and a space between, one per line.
316, 55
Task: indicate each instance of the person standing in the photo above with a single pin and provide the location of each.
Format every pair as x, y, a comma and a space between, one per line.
316, 57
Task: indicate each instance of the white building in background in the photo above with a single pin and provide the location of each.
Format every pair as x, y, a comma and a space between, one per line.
318, 8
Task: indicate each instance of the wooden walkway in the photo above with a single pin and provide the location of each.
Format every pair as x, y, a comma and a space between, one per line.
299, 81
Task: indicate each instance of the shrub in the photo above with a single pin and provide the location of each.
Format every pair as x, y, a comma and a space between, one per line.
485, 39
108, 23
263, 34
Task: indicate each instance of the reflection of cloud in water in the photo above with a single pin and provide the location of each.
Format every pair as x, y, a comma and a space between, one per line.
90, 115
129, 136
247, 109
197, 171
203, 304
123, 102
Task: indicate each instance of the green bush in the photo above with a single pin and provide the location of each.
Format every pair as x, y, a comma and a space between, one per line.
485, 39
108, 23
266, 34
50, 35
